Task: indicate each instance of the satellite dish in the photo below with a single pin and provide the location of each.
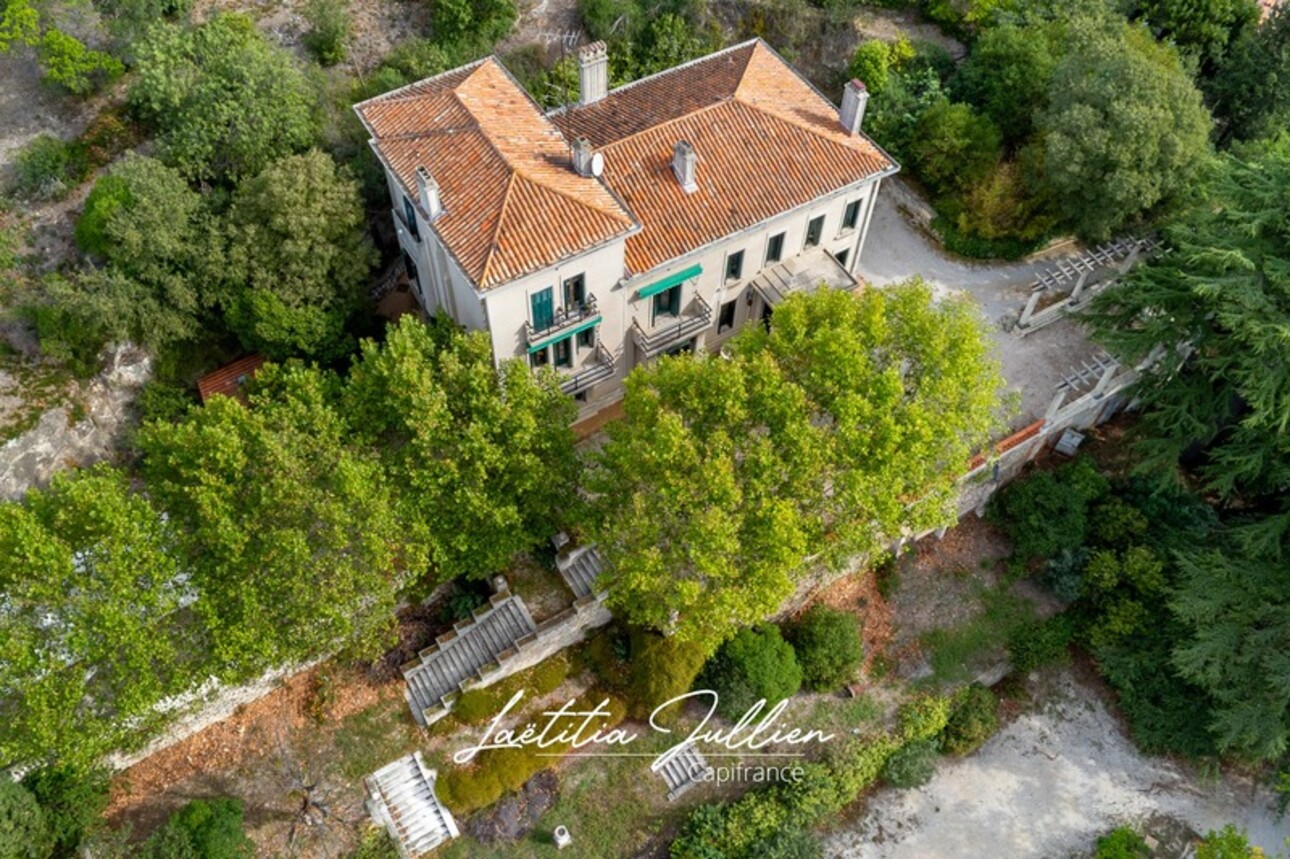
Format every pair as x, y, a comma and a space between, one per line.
597, 164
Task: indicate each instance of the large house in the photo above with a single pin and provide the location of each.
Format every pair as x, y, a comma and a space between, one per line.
650, 219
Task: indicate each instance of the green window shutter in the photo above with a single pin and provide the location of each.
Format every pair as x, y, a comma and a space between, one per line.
669, 281
543, 309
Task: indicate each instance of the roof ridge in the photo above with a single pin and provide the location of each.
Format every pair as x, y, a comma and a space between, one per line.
754, 41
398, 94
493, 247
570, 196
650, 129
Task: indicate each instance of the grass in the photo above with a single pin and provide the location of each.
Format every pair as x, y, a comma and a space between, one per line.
39, 386
369, 739
831, 714
956, 654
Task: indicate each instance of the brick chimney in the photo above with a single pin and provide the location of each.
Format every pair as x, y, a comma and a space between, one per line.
593, 73
685, 166
428, 192
855, 97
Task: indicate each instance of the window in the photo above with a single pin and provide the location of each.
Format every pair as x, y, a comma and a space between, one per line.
587, 338
563, 350
668, 302
735, 265
410, 217
411, 268
726, 320
814, 230
841, 256
540, 358
543, 311
575, 292
775, 248
851, 216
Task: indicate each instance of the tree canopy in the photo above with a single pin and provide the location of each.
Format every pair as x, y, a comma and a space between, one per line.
844, 424
224, 102
1124, 129
1219, 304
87, 638
482, 455
288, 531
1251, 91
298, 257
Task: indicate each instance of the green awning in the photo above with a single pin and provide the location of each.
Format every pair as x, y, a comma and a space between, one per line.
537, 347
670, 281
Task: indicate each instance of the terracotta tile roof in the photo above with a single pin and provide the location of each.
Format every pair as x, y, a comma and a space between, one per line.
229, 379
512, 202
767, 142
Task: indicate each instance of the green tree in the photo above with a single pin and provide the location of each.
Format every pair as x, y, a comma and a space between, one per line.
845, 423
87, 641
465, 21
71, 799
1201, 27
954, 146
71, 65
1124, 130
209, 828
757, 664
827, 643
24, 833
288, 531
1227, 843
19, 24
1122, 843
162, 252
871, 65
1218, 307
329, 29
1250, 92
298, 257
1007, 76
223, 100
483, 455
1235, 604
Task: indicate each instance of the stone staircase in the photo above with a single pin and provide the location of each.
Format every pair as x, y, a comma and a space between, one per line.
579, 570
402, 799
686, 769
487, 639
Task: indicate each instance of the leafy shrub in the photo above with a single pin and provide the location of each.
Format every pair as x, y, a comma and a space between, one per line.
827, 643
496, 771
1047, 511
329, 30
1040, 643
912, 765
108, 136
68, 336
1122, 843
164, 401
71, 65
858, 761
47, 168
756, 664
211, 829
924, 717
973, 720
954, 147
71, 801
108, 195
1064, 574
24, 831
871, 65
606, 655
1227, 843
376, 844
662, 669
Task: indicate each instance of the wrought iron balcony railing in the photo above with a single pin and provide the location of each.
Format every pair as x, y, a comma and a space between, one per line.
694, 319
564, 318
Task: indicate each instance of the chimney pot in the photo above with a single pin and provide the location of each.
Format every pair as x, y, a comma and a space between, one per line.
428, 191
685, 165
593, 73
582, 157
855, 97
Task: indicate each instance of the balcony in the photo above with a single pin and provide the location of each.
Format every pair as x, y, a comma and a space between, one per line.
600, 368
566, 318
694, 319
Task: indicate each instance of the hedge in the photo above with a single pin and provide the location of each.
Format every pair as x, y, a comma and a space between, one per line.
494, 772
477, 706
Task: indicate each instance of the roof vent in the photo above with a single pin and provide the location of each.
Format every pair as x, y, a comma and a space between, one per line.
428, 191
586, 162
593, 73
685, 166
855, 96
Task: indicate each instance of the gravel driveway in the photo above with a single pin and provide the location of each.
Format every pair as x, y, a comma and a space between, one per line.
1047, 786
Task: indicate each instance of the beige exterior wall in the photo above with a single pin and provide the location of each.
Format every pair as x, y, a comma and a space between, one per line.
503, 311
